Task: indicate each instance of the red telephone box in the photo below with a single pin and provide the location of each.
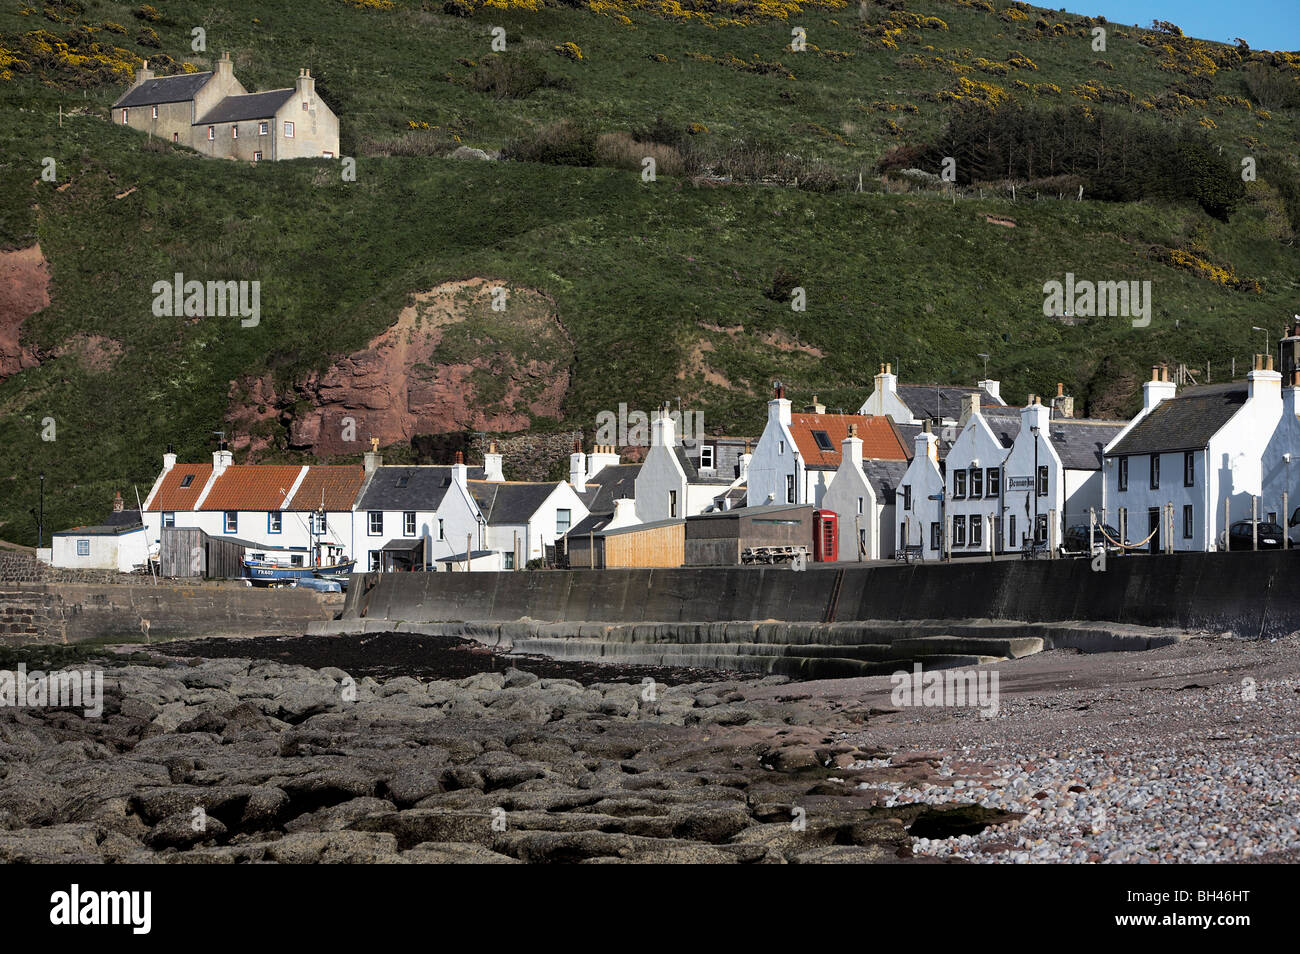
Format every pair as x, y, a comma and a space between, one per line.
826, 538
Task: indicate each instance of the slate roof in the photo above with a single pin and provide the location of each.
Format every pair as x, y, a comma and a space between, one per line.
333, 487
592, 523
238, 108
1185, 422
172, 496
692, 473
424, 488
613, 483
884, 476
1079, 443
909, 432
880, 439
164, 89
252, 487
100, 530
506, 503
924, 400
125, 518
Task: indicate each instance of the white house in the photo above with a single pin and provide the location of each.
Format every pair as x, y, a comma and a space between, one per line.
522, 519
119, 543
973, 481
408, 517
919, 403
919, 514
1204, 452
862, 495
669, 486
798, 454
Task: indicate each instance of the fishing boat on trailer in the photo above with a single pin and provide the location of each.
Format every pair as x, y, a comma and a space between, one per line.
284, 567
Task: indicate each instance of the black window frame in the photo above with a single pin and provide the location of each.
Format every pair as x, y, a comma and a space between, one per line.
1188, 521
975, 483
976, 535
1044, 477
959, 484
959, 530
993, 483
823, 441
1153, 472
1189, 468
1122, 477
936, 535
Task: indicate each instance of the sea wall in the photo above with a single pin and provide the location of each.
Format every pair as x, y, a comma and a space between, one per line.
75, 612
1251, 594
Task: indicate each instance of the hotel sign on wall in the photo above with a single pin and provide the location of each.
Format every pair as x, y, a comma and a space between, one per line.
1020, 483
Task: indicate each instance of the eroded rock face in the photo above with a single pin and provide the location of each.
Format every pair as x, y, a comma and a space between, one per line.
24, 290
450, 362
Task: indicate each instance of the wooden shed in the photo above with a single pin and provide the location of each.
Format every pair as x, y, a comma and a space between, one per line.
658, 544
190, 552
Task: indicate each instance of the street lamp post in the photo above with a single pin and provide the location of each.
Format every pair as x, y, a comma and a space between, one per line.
40, 524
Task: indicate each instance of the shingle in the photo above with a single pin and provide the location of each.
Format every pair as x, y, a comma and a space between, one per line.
423, 488
880, 439
252, 487
612, 483
164, 89
884, 477
1079, 443
333, 487
1185, 422
942, 402
172, 496
235, 109
509, 503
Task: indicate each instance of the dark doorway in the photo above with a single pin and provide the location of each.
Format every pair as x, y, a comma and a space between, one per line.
1153, 528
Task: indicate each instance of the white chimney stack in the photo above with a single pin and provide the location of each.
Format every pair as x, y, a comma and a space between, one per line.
492, 464
578, 468
1158, 389
169, 461
778, 409
992, 388
221, 459
459, 472
624, 514
601, 456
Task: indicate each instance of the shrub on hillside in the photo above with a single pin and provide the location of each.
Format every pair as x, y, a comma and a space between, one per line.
620, 150
563, 143
510, 77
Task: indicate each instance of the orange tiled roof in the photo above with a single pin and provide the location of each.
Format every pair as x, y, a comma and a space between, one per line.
252, 487
879, 438
172, 496
333, 486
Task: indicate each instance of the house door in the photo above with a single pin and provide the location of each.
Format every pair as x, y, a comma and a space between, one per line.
1153, 528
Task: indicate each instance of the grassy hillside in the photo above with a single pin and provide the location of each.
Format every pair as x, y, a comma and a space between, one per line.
653, 281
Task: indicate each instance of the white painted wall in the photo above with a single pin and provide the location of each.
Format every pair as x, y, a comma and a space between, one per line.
122, 552
922, 480
976, 447
775, 458
853, 499
884, 400
661, 476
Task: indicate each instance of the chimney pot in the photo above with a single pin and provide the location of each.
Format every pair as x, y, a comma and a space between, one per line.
117, 502
1060, 389
888, 368
460, 457
1268, 362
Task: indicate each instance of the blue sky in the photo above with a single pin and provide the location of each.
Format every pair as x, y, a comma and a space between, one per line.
1264, 24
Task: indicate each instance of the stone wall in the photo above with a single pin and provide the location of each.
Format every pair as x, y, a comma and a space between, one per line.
76, 612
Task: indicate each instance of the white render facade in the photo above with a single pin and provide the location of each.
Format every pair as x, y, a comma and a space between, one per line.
919, 515
853, 500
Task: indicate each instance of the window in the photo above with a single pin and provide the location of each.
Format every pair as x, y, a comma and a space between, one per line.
232, 521
327, 154
823, 441
976, 482
234, 132
1155, 471
1123, 473
288, 129
780, 447
176, 137
442, 533
959, 485
936, 536
976, 530
1187, 520
408, 523
706, 456
672, 504
257, 556
212, 133
257, 156
1189, 469
507, 561
1042, 481
169, 518
373, 563
403, 480
304, 105
261, 129
273, 521
789, 489
1040, 529
907, 496
295, 560
1011, 531
993, 482
318, 524
124, 117
959, 531
155, 112
859, 505
83, 548
374, 523
562, 520
187, 480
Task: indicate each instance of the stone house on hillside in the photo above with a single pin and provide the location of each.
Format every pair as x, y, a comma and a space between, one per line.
213, 114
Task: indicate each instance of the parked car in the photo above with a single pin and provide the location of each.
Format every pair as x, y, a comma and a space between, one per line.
1241, 536
1075, 539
